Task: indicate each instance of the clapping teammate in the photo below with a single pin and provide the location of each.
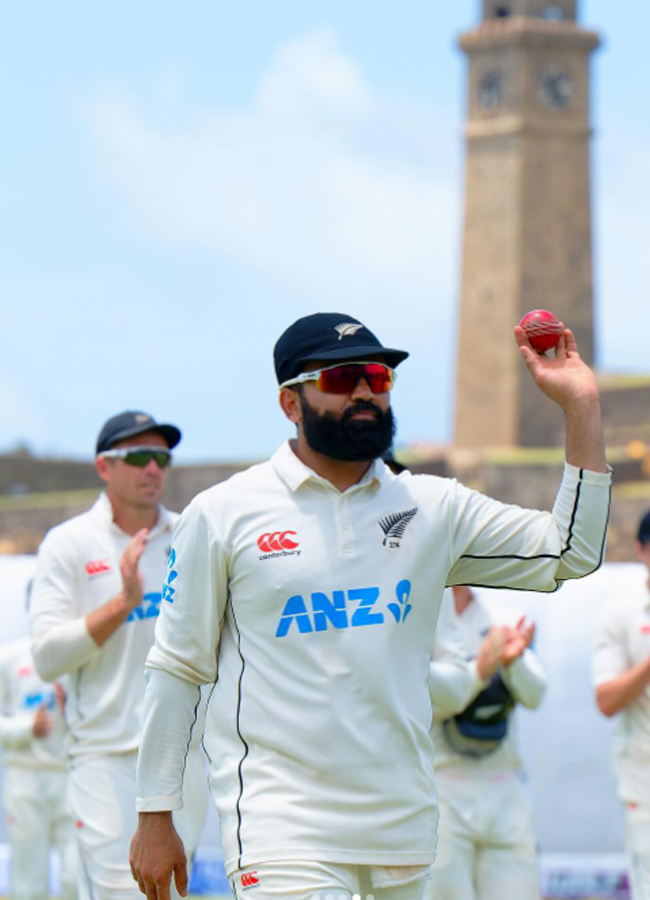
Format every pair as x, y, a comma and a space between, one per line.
96, 598
486, 837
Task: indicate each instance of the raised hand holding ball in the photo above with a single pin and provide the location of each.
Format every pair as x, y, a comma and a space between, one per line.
542, 329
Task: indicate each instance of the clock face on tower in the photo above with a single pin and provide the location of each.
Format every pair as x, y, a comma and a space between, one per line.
490, 90
556, 88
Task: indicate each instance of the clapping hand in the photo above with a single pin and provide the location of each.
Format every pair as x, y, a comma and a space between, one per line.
43, 723
518, 639
131, 576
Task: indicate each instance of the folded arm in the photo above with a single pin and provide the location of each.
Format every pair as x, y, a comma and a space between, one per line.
617, 683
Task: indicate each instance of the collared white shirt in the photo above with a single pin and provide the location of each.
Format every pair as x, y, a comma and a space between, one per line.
316, 610
77, 571
622, 641
524, 678
22, 694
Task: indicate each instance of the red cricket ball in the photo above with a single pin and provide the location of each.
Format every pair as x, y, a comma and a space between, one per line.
542, 328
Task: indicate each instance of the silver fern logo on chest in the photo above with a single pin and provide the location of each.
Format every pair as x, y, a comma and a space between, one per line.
395, 525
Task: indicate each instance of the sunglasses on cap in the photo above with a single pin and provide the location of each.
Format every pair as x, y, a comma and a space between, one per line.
343, 379
140, 456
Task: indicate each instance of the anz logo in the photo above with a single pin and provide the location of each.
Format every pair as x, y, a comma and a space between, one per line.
355, 608
169, 590
148, 609
41, 698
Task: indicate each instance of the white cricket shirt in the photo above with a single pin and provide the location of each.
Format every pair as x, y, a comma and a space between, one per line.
622, 641
77, 571
524, 678
22, 694
316, 610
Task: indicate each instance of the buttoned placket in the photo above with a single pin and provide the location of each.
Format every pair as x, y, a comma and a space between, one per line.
344, 511
343, 518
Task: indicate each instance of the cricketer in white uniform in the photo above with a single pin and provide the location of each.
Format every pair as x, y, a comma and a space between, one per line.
307, 588
95, 601
32, 733
486, 838
621, 677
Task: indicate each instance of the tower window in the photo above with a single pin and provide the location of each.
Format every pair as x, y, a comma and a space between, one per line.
553, 13
502, 12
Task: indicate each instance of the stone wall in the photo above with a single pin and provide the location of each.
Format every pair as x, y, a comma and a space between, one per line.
529, 479
37, 494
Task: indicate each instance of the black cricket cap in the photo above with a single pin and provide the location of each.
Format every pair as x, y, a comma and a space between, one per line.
132, 422
328, 337
643, 535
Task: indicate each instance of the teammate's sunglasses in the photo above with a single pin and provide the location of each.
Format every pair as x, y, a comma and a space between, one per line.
140, 456
343, 379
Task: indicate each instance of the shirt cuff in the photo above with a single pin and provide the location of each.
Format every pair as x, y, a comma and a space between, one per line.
572, 474
159, 804
478, 684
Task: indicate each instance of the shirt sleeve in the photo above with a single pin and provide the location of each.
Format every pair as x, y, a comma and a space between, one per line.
525, 679
453, 680
61, 642
183, 657
610, 658
498, 545
169, 721
15, 731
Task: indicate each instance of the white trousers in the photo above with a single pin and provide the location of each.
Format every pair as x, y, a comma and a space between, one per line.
36, 808
637, 845
486, 839
102, 797
300, 880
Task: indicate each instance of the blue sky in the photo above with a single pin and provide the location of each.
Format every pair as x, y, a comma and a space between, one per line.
179, 182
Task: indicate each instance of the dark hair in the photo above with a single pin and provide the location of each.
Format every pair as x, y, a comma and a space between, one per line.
396, 467
643, 534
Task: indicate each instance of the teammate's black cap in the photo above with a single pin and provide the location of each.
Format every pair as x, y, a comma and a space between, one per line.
643, 535
328, 336
132, 422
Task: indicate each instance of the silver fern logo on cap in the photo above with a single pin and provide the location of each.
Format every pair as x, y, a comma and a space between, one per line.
347, 328
394, 526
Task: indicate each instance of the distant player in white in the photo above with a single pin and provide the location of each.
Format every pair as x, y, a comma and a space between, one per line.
486, 838
32, 734
96, 598
621, 676
309, 588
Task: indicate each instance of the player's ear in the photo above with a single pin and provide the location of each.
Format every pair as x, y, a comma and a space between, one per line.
290, 403
102, 465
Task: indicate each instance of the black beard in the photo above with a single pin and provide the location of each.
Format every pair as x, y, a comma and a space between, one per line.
348, 439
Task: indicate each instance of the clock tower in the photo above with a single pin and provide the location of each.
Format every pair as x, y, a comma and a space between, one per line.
527, 223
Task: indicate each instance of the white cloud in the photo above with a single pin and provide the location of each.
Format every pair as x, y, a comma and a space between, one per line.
310, 77
320, 182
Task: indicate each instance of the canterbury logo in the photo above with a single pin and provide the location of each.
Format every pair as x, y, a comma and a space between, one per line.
249, 879
347, 328
394, 525
97, 566
272, 541
141, 418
